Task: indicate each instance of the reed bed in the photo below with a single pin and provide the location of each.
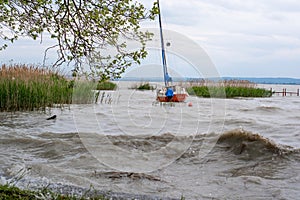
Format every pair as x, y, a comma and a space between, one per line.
228, 92
142, 86
226, 89
106, 85
28, 88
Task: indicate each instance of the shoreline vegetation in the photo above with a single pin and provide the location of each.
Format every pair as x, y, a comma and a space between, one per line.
228, 92
9, 192
226, 89
106, 85
30, 88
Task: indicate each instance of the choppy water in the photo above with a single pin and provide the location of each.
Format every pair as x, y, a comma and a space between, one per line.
217, 149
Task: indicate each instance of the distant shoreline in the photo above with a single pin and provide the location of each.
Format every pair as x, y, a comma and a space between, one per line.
266, 80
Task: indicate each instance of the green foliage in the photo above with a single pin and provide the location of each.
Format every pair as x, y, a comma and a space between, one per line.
12, 193
82, 30
230, 91
30, 88
106, 85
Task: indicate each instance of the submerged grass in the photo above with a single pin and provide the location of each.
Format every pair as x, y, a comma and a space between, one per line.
31, 88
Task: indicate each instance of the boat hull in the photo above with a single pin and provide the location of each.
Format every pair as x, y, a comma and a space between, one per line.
175, 98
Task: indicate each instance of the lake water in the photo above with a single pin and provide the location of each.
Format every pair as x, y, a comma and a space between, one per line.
244, 148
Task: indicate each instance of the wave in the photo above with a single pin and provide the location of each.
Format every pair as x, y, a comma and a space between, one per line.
268, 108
236, 153
240, 141
238, 144
45, 146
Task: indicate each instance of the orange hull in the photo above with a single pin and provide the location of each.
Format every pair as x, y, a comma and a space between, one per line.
175, 98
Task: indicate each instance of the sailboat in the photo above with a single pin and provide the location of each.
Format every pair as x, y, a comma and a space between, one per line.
169, 93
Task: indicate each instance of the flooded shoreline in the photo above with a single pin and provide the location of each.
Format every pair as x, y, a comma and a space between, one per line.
248, 150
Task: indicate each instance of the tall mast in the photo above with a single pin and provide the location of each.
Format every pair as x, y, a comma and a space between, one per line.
163, 51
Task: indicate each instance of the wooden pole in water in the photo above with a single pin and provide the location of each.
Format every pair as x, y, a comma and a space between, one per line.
285, 92
298, 92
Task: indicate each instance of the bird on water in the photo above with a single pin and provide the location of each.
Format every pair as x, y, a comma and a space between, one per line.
52, 117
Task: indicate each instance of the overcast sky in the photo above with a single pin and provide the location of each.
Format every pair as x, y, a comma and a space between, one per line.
248, 38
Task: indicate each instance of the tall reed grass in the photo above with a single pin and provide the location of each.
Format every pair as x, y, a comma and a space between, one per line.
31, 88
